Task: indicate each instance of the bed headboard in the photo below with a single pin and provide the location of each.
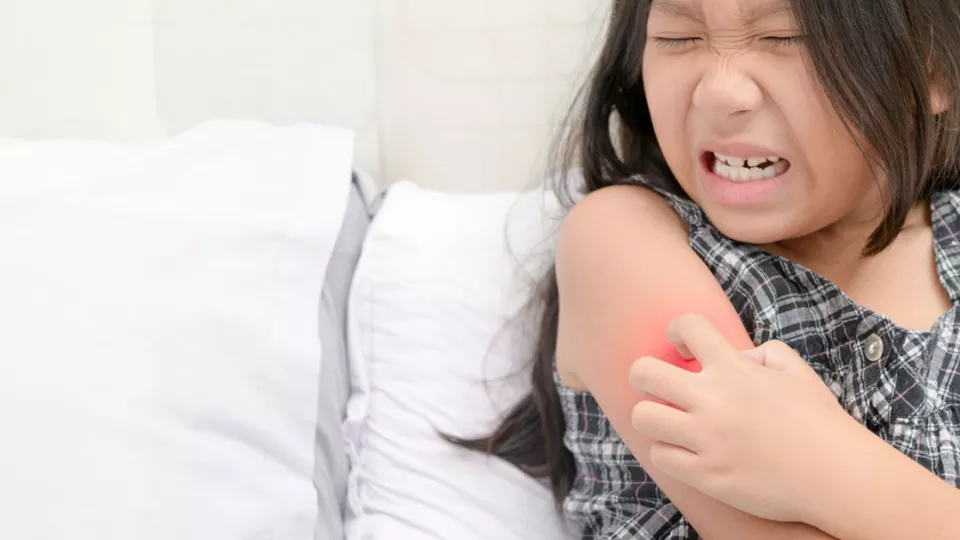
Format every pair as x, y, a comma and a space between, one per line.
454, 95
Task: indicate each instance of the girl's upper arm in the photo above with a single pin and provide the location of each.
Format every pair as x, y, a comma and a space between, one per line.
625, 270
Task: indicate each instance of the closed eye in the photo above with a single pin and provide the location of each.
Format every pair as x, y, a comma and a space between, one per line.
783, 41
676, 43
681, 42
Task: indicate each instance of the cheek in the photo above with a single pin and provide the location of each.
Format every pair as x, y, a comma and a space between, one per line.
668, 103
835, 165
831, 178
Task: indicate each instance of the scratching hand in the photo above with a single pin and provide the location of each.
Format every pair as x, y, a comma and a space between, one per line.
749, 429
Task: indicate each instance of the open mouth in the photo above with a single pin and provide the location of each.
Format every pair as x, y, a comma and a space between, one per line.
745, 169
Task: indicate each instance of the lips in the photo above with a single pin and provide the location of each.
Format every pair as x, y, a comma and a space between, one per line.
743, 175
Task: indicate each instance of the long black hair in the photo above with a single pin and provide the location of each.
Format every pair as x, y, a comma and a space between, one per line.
875, 59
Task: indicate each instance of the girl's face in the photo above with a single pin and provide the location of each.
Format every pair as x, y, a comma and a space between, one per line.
744, 124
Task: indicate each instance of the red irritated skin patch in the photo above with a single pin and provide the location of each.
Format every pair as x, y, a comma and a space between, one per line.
652, 339
675, 358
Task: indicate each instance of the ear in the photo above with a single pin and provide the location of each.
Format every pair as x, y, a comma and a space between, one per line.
939, 96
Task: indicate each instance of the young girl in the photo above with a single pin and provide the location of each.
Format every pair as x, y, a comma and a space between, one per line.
751, 329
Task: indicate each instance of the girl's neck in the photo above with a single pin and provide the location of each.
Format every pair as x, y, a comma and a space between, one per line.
841, 246
901, 282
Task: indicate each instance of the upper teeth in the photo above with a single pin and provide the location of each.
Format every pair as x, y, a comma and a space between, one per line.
733, 168
751, 162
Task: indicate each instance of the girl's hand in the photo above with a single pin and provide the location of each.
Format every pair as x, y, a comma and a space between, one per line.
753, 429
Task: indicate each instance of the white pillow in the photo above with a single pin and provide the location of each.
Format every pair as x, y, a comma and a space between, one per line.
158, 332
434, 288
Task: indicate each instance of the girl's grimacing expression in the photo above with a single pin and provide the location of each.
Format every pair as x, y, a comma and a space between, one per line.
746, 127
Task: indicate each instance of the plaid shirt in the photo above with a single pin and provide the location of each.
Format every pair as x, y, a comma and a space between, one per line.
903, 385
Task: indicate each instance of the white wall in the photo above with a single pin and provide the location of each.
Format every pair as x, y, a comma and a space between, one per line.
453, 94
277, 60
470, 92
73, 68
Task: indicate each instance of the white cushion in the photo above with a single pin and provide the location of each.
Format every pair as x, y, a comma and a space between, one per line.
436, 284
158, 332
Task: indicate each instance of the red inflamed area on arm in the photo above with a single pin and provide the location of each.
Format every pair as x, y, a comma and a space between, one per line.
651, 338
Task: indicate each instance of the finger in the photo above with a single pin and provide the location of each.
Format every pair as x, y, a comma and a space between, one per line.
665, 424
675, 461
699, 337
779, 356
661, 380
680, 346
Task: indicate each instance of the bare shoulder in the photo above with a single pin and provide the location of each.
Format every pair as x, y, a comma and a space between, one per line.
610, 219
625, 269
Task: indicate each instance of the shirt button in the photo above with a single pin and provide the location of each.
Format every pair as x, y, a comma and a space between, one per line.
873, 346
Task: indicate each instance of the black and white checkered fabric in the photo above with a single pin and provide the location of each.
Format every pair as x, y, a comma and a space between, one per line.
903, 385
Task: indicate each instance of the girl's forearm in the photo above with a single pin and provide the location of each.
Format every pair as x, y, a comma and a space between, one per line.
878, 493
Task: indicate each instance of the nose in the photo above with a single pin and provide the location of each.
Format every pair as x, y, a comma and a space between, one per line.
727, 92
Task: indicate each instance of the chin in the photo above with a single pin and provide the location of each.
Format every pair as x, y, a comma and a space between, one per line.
752, 230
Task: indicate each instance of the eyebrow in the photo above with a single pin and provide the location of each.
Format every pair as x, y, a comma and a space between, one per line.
753, 12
